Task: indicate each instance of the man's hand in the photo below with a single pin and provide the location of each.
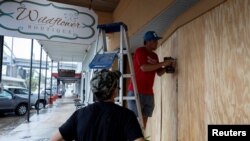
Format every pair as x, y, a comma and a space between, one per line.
170, 64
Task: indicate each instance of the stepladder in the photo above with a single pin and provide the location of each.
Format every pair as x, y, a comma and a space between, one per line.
106, 59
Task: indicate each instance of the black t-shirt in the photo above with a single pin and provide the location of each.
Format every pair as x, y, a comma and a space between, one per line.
101, 121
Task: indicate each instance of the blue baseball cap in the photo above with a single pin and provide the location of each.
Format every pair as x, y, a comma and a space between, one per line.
151, 35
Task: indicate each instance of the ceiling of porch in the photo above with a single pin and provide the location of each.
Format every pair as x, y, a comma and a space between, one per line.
59, 51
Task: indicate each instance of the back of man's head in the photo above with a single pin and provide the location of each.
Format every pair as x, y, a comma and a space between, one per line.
103, 82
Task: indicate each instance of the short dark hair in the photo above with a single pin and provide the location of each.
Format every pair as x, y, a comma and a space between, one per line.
103, 83
100, 96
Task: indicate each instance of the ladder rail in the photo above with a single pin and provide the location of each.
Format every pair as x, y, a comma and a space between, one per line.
104, 43
121, 66
131, 66
89, 96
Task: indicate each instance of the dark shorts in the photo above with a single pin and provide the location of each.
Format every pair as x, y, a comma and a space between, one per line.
147, 104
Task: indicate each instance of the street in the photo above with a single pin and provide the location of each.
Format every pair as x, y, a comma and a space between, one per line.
10, 121
41, 127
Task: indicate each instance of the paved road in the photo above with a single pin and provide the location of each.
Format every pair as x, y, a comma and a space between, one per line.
45, 124
10, 121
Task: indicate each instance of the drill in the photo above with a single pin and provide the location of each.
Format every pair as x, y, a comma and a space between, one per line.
170, 68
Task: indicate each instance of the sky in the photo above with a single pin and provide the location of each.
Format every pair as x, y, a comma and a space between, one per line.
22, 47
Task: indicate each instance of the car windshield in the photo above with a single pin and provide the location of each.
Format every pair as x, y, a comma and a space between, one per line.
20, 91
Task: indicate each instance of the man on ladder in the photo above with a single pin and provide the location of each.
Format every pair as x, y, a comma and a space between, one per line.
146, 65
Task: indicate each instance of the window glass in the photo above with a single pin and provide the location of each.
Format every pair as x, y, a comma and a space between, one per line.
19, 91
4, 95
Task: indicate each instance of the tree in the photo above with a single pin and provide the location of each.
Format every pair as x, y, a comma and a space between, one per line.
34, 82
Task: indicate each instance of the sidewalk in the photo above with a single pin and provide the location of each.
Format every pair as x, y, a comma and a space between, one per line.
42, 126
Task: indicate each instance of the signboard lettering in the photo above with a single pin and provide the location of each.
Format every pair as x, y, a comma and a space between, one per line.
47, 21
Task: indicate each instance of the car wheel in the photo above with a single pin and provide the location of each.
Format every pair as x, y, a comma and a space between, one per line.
40, 105
1, 114
21, 109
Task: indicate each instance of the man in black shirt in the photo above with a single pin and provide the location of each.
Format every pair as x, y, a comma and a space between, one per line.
102, 120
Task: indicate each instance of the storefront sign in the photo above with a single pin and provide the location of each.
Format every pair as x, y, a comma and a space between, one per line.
44, 20
66, 73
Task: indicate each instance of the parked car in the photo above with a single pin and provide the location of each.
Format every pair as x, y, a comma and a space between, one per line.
10, 102
48, 91
61, 93
34, 101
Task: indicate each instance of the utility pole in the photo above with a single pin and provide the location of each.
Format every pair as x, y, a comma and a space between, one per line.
1, 56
